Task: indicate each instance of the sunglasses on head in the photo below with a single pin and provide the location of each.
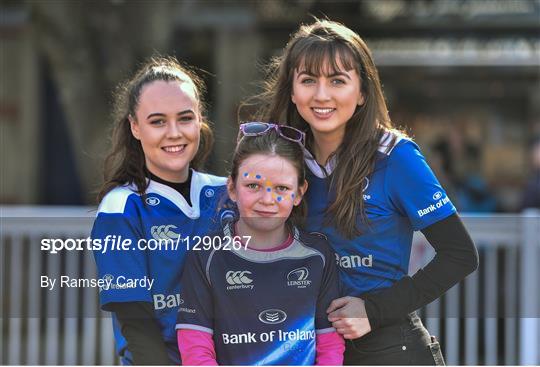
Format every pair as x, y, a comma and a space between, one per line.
261, 128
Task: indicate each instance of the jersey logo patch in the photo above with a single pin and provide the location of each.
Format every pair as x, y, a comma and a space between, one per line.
164, 232
209, 193
108, 279
366, 185
272, 316
226, 217
319, 234
152, 201
238, 277
298, 278
239, 280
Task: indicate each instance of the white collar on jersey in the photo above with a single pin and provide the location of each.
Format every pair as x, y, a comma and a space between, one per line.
115, 200
316, 168
385, 147
296, 250
198, 181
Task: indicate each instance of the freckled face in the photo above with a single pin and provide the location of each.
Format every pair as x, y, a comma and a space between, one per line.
168, 123
266, 190
327, 102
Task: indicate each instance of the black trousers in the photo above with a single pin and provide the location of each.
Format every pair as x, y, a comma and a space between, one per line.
407, 342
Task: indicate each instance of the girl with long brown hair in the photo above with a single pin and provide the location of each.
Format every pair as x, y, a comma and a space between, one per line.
153, 201
369, 189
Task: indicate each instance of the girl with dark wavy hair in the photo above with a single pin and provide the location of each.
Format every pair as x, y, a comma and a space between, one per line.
369, 189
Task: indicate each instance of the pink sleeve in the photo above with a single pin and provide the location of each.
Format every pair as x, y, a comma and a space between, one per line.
330, 348
196, 348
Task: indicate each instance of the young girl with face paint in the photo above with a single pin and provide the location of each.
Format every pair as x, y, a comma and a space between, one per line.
370, 188
264, 302
153, 192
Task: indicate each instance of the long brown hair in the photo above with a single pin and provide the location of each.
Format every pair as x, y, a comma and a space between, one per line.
125, 164
272, 144
320, 48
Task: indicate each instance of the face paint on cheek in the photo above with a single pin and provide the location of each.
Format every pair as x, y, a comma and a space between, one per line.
278, 198
268, 187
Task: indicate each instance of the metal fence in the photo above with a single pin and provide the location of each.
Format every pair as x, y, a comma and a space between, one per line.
492, 317
37, 327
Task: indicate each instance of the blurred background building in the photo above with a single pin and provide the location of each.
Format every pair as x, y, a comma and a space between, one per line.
462, 76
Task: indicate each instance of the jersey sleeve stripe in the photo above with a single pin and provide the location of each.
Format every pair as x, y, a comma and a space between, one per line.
204, 179
194, 327
386, 140
325, 331
207, 270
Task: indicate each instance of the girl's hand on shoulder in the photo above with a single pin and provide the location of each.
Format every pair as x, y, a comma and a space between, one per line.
348, 315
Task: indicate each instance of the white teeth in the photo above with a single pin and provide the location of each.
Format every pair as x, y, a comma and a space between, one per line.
323, 110
174, 149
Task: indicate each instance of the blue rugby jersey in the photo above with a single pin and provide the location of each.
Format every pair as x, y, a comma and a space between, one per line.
263, 308
402, 195
163, 214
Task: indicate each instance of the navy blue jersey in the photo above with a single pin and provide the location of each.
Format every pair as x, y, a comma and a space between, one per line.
402, 195
263, 308
163, 214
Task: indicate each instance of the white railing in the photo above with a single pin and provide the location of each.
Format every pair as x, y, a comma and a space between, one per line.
490, 318
493, 316
50, 327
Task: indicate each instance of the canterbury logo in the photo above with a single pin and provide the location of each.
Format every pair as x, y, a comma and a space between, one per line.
164, 232
238, 277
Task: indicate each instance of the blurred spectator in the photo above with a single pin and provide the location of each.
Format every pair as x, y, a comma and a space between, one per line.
531, 194
460, 160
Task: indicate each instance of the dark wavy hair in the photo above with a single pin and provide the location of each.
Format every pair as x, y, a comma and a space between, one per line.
321, 48
273, 144
125, 163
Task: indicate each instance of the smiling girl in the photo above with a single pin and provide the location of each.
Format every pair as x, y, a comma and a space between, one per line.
153, 192
264, 303
370, 189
